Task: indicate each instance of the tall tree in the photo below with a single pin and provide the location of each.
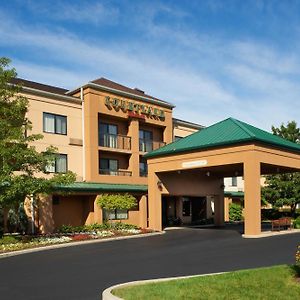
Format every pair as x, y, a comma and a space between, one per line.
284, 189
22, 167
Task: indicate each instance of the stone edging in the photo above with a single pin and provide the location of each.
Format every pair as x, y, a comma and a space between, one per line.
107, 295
265, 234
71, 244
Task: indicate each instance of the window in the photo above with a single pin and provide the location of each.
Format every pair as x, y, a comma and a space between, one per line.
143, 168
60, 164
186, 207
146, 140
55, 200
108, 166
116, 214
54, 123
108, 135
233, 181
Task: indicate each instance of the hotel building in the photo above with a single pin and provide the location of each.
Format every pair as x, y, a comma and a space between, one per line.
122, 140
102, 131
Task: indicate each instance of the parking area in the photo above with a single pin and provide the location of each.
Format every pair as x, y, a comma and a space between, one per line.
82, 272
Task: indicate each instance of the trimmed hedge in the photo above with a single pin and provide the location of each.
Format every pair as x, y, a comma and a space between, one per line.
95, 227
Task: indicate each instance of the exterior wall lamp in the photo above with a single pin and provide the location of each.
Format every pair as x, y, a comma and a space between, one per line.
160, 185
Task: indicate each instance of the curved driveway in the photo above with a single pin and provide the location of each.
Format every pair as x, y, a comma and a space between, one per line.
83, 272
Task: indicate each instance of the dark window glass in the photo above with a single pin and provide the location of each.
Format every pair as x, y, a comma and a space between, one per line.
109, 166
234, 181
143, 168
55, 200
60, 165
53, 123
116, 214
186, 207
108, 135
146, 140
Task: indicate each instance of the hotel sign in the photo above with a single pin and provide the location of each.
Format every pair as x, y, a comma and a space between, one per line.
134, 109
193, 164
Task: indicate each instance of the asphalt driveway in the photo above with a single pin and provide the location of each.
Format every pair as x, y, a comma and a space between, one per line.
83, 272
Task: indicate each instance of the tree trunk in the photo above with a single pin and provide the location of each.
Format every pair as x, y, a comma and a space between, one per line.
5, 219
16, 208
293, 210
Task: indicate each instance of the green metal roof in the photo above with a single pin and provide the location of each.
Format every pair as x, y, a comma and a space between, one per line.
101, 187
225, 133
234, 194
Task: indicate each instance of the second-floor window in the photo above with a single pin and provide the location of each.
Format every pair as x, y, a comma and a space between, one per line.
146, 140
108, 135
233, 181
53, 123
60, 165
108, 166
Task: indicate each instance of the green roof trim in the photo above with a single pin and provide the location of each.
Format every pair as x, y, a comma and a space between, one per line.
91, 187
234, 194
225, 133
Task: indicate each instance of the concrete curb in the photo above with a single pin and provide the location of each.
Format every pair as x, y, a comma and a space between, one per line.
271, 234
71, 244
107, 295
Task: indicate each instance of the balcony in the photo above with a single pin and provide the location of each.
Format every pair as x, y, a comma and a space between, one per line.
115, 141
150, 145
114, 172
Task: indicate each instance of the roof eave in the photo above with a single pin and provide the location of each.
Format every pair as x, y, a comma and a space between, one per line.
122, 93
238, 143
49, 94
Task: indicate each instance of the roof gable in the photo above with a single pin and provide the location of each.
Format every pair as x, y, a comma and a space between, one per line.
227, 132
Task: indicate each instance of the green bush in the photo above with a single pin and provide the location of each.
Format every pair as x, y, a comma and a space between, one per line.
235, 212
296, 223
95, 227
275, 213
9, 239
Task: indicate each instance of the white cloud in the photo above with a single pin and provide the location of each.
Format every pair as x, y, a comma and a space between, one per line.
207, 78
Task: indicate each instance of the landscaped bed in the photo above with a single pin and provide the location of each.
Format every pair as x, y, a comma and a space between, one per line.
68, 234
279, 282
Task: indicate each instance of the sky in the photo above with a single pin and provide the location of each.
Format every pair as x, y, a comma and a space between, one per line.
212, 59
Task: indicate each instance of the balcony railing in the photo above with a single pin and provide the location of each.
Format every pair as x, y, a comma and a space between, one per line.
149, 145
114, 172
116, 141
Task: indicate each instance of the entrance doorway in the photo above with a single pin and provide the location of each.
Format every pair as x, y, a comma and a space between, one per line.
199, 208
169, 211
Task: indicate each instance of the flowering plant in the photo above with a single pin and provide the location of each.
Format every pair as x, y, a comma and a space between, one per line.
298, 256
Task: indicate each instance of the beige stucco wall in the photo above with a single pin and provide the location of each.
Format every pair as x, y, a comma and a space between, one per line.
94, 106
182, 131
38, 105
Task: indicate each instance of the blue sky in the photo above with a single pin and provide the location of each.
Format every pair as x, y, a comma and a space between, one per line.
212, 59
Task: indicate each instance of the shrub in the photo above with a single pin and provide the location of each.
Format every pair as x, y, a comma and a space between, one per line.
111, 202
296, 223
71, 229
95, 227
235, 212
9, 239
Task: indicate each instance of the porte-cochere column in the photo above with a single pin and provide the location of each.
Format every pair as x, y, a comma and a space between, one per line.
154, 201
252, 196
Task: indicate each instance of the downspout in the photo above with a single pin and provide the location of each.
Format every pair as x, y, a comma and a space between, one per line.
83, 134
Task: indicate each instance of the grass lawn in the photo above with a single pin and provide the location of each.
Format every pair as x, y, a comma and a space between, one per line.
265, 283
